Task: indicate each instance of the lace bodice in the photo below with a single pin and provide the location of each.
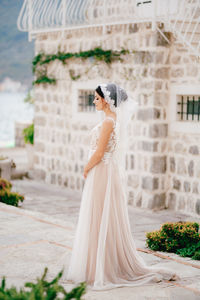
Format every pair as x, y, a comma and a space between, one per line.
95, 132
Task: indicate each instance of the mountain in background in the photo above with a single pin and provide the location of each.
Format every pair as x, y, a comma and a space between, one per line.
16, 52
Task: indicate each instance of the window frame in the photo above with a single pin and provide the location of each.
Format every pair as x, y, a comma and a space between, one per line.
93, 116
188, 126
83, 105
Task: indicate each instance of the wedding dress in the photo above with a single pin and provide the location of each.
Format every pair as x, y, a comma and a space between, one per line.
104, 253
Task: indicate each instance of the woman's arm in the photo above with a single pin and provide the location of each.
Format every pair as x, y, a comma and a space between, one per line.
106, 129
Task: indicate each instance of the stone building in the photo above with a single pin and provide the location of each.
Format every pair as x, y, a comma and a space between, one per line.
161, 72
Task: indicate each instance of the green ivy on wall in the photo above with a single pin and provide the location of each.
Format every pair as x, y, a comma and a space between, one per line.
40, 61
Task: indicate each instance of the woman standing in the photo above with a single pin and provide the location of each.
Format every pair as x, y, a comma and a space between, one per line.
104, 253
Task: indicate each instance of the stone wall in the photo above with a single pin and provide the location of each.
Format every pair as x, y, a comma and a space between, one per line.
61, 141
183, 160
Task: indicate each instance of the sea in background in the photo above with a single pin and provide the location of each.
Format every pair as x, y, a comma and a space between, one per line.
12, 109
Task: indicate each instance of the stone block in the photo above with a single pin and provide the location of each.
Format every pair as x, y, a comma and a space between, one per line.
133, 180
163, 146
197, 206
194, 150
5, 168
181, 166
192, 71
158, 164
45, 108
143, 57
191, 168
76, 168
161, 73
39, 147
159, 57
65, 182
149, 183
158, 130
60, 179
161, 99
179, 72
195, 187
198, 170
133, 28
78, 183
42, 36
40, 121
138, 200
181, 203
54, 35
158, 85
172, 164
157, 201
36, 159
53, 178
130, 198
131, 162
172, 201
190, 203
146, 84
176, 59
179, 148
176, 184
150, 146
37, 174
186, 186
148, 114
72, 182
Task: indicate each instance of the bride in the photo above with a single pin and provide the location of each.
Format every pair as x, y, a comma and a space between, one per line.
104, 254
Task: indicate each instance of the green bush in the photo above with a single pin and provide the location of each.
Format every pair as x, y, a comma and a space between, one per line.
5, 184
29, 134
42, 290
10, 198
181, 238
192, 251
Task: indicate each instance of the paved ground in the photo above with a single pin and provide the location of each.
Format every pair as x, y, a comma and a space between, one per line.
40, 233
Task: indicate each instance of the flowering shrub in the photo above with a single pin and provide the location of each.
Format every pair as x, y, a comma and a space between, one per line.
5, 184
8, 197
182, 238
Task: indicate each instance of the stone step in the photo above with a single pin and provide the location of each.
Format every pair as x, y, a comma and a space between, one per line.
19, 174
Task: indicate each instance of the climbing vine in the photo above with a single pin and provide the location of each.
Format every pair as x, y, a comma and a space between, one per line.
40, 62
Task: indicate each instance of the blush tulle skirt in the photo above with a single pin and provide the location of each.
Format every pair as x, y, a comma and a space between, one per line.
104, 253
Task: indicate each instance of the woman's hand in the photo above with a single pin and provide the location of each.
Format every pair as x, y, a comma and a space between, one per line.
85, 172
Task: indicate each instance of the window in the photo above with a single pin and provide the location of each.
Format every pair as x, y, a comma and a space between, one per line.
85, 101
82, 96
188, 108
184, 108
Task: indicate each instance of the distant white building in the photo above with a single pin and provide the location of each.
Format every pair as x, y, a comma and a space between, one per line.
9, 85
161, 72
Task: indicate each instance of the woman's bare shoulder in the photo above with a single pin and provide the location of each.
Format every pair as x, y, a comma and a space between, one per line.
107, 125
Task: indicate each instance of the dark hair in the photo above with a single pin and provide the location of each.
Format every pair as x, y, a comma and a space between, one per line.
99, 91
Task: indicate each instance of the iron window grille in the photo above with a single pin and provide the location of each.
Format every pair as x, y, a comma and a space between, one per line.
85, 101
188, 108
